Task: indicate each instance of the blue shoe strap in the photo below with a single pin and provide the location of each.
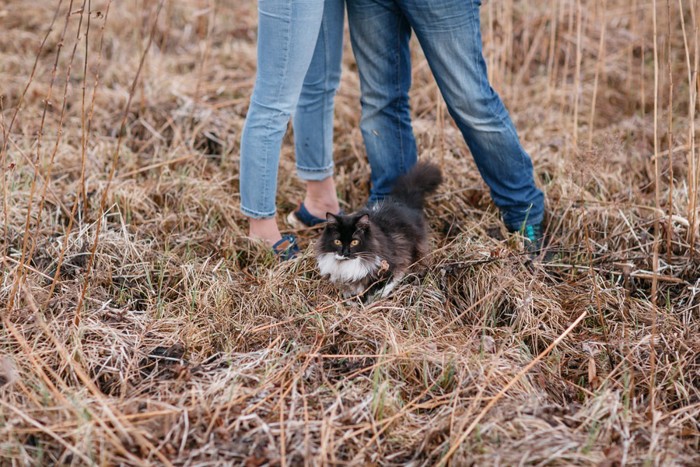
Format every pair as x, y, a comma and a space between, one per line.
307, 218
286, 248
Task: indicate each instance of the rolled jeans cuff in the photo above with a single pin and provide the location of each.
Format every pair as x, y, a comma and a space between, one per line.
315, 174
257, 215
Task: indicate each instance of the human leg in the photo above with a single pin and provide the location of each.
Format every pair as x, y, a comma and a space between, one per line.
313, 119
450, 36
287, 33
380, 36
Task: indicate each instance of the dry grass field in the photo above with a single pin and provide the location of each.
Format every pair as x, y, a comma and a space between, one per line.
141, 326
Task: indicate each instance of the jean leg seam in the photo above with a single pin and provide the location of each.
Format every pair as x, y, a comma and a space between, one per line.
278, 91
326, 84
509, 126
397, 115
486, 86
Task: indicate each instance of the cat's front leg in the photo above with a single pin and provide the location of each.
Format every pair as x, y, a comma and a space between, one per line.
353, 289
347, 294
383, 287
389, 287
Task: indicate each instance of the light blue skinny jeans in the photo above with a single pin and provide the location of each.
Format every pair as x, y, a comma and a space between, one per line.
450, 36
299, 54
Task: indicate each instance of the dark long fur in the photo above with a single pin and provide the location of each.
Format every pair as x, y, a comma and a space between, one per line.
389, 237
412, 187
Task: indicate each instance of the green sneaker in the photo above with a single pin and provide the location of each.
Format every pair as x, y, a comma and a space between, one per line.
534, 239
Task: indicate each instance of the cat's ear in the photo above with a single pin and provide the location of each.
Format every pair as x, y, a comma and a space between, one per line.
331, 218
363, 222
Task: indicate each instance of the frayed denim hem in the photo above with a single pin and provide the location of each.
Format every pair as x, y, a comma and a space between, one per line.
257, 215
314, 175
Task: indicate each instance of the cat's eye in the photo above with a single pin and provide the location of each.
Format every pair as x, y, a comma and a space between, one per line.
354, 243
337, 242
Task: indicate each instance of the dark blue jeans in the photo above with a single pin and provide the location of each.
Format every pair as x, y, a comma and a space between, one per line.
450, 36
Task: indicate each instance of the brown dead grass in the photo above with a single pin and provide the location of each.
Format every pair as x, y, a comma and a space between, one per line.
140, 325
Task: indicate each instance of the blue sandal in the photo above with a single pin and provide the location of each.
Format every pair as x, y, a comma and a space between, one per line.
286, 248
302, 218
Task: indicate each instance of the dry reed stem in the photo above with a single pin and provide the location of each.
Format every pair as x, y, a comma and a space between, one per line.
669, 232
599, 61
657, 230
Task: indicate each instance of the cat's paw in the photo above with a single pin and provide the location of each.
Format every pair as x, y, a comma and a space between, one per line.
389, 287
347, 295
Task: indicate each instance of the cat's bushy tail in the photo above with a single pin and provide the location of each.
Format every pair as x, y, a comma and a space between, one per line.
412, 187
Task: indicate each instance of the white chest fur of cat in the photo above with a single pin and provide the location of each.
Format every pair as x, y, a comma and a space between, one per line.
341, 269
353, 273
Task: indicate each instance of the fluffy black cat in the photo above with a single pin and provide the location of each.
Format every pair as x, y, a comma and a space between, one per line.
370, 250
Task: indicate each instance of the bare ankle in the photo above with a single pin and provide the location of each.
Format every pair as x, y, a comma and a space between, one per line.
265, 230
321, 197
319, 208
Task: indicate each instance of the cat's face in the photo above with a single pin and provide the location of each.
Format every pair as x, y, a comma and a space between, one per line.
346, 237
